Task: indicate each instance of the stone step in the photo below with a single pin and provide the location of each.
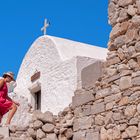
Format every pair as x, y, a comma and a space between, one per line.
4, 131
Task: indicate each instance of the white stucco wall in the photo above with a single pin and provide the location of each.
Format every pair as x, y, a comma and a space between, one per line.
40, 56
56, 59
60, 86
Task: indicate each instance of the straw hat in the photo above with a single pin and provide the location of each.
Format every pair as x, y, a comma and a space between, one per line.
11, 74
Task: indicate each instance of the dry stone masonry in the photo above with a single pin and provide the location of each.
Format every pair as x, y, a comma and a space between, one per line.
110, 109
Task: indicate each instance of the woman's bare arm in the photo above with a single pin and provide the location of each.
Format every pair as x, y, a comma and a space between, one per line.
1, 83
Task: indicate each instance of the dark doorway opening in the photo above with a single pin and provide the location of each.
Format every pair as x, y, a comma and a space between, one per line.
38, 100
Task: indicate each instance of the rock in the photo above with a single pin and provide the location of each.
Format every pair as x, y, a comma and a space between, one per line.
112, 78
122, 126
37, 124
62, 137
91, 135
131, 131
32, 133
81, 99
131, 50
122, 67
69, 116
124, 135
46, 117
80, 135
130, 111
121, 53
111, 46
116, 133
125, 82
138, 108
56, 131
116, 116
110, 134
138, 6
68, 133
133, 64
111, 9
48, 128
40, 134
138, 60
82, 123
99, 120
131, 35
124, 101
51, 136
98, 108
103, 93
136, 81
115, 88
111, 71
124, 3
35, 114
131, 10
136, 20
110, 105
113, 61
69, 123
137, 46
123, 15
134, 96
135, 74
119, 29
133, 121
62, 130
119, 41
103, 134
115, 97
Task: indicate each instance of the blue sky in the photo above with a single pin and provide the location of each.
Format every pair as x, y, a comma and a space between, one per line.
21, 20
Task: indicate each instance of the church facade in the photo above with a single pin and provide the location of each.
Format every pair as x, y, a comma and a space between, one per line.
53, 68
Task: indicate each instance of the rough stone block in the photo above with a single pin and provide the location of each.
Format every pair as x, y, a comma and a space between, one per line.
125, 82
81, 99
82, 123
92, 135
136, 81
113, 98
98, 108
80, 135
91, 73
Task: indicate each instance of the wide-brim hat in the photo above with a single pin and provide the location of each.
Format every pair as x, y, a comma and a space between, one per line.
10, 74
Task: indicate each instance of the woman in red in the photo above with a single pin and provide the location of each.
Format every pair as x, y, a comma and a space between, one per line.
6, 103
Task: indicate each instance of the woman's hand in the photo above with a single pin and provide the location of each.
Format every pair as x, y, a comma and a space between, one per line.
18, 104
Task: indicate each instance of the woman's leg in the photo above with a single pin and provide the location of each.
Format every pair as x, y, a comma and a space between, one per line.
0, 118
11, 113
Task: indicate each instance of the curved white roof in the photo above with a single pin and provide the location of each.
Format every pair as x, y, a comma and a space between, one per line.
68, 48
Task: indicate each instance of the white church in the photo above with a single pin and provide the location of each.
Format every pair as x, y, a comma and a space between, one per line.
52, 69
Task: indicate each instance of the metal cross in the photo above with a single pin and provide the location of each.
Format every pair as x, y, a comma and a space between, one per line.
46, 24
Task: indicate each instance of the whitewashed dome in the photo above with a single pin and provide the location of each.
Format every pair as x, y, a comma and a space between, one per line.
68, 48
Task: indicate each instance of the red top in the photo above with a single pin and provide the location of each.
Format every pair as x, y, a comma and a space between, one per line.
5, 104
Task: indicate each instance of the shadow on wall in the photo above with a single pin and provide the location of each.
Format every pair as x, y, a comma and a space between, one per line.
91, 73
